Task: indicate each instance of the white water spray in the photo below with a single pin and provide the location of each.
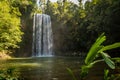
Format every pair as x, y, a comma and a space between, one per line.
42, 36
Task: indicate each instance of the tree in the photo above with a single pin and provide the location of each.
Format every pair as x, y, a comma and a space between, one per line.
10, 33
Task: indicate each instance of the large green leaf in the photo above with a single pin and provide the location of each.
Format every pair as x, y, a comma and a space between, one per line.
109, 47
94, 49
100, 37
107, 59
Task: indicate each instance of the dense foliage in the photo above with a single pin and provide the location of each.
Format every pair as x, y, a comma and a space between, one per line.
10, 73
10, 33
79, 25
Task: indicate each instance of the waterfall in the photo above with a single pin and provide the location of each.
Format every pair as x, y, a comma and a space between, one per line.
42, 36
38, 3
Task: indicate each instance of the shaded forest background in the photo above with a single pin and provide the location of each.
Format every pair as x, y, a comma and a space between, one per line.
75, 27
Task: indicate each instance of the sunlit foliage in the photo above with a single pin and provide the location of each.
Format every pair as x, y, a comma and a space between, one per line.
10, 33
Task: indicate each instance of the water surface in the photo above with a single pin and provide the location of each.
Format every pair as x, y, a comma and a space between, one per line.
49, 68
45, 68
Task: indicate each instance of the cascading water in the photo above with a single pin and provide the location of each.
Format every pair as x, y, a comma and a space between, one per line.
42, 36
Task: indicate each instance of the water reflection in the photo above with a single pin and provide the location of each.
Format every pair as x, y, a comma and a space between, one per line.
45, 68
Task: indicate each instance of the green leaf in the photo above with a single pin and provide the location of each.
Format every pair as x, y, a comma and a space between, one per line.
95, 48
100, 37
109, 47
109, 62
106, 74
71, 73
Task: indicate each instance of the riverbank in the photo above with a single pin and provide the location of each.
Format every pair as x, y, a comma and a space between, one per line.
4, 56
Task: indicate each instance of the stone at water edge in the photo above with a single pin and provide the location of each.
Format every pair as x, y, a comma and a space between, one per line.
4, 56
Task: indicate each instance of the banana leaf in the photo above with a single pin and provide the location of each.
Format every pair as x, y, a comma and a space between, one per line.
109, 47
94, 49
108, 61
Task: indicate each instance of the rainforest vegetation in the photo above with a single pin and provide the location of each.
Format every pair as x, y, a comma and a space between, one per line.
75, 26
92, 26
